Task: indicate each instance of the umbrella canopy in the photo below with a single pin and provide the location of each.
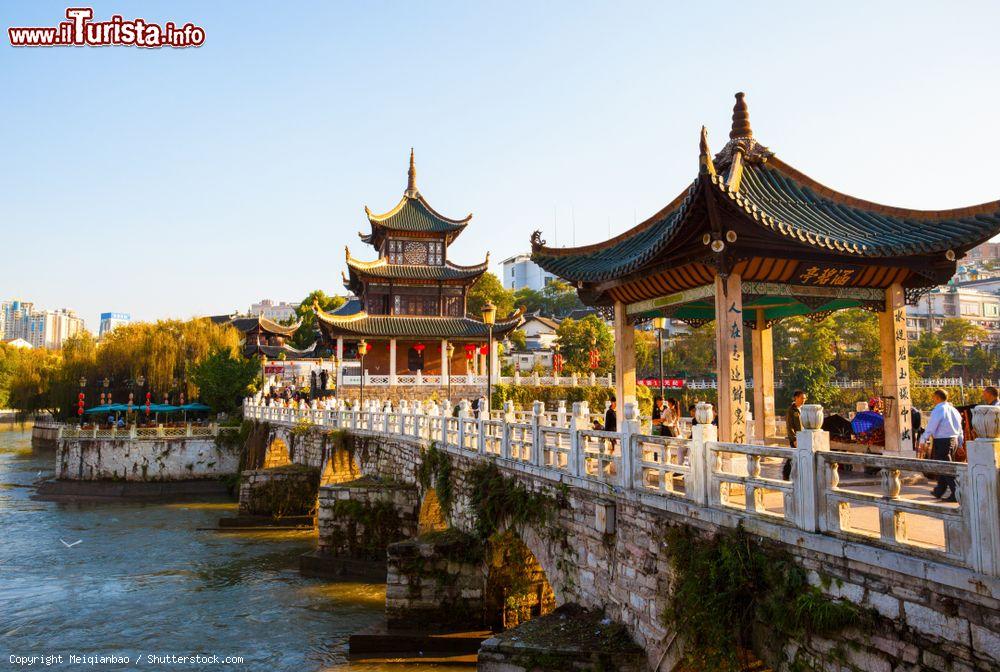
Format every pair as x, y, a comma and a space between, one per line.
196, 406
103, 408
866, 421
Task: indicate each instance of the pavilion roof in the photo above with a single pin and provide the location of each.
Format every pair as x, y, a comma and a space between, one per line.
381, 269
275, 351
264, 325
413, 214
363, 325
748, 209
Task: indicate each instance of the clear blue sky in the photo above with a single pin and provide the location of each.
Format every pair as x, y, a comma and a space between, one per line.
168, 183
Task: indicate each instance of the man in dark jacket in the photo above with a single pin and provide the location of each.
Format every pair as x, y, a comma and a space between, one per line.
793, 425
611, 417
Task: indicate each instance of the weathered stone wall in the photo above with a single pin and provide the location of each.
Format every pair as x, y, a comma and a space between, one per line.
361, 518
278, 491
435, 582
173, 459
45, 434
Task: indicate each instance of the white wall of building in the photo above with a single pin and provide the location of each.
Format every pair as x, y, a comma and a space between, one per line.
278, 312
520, 271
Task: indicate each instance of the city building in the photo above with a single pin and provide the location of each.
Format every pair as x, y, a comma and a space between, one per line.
40, 328
412, 299
985, 252
14, 318
277, 312
50, 328
520, 271
111, 321
954, 301
539, 331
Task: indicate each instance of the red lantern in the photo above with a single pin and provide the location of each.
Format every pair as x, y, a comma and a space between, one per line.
484, 349
80, 396
102, 398
557, 363
470, 351
149, 395
419, 347
595, 358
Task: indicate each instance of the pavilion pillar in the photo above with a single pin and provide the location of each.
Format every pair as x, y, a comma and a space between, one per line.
763, 378
729, 354
445, 364
624, 358
392, 361
340, 348
494, 361
895, 374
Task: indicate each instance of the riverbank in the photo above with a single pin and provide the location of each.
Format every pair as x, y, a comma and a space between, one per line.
125, 577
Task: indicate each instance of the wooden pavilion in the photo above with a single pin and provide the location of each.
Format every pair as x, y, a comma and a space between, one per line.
751, 241
411, 300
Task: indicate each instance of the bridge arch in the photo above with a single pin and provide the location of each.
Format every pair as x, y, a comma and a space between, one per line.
431, 517
518, 586
277, 453
340, 466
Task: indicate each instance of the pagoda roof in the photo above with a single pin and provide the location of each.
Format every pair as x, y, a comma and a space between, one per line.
265, 325
275, 351
746, 204
363, 325
413, 214
381, 269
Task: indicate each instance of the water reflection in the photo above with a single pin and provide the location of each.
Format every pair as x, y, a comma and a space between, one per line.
144, 578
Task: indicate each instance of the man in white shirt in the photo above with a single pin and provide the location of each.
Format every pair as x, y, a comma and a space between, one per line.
944, 433
990, 396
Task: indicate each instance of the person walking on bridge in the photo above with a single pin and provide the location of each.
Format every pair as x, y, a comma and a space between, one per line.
944, 434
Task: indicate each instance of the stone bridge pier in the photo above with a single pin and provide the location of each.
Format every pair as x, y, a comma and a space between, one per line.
449, 503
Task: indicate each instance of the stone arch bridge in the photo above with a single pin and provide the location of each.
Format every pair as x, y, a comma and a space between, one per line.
927, 572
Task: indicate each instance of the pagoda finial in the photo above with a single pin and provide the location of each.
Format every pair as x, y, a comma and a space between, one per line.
347, 252
741, 118
411, 183
705, 163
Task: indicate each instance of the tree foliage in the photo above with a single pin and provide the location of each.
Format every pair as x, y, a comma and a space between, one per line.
691, 354
489, 288
224, 378
575, 341
306, 333
929, 357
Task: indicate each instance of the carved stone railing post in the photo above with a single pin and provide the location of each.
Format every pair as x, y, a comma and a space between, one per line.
700, 457
579, 420
979, 494
574, 379
401, 413
484, 409
463, 413
629, 430
517, 377
561, 417
807, 481
537, 438
508, 417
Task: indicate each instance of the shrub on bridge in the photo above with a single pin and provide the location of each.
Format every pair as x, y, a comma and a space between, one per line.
730, 586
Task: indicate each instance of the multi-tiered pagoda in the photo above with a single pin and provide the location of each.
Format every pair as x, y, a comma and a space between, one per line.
411, 300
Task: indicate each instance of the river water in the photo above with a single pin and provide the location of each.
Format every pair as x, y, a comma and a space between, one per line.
144, 580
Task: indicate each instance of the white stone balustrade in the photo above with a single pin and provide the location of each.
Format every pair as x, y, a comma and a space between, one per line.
740, 479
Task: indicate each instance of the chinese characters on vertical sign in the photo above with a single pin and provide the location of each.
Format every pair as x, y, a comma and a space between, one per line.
736, 389
903, 380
